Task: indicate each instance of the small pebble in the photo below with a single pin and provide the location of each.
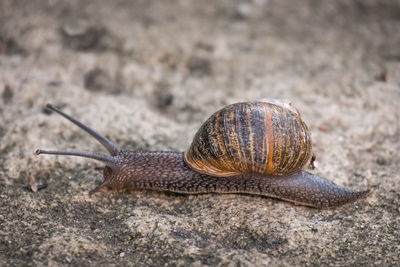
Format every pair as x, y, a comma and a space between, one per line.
9, 46
381, 77
79, 34
164, 100
7, 94
163, 96
97, 80
383, 159
199, 66
243, 10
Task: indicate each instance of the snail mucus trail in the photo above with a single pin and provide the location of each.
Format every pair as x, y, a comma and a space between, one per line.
272, 128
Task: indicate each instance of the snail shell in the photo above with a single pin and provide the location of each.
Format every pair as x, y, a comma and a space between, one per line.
266, 137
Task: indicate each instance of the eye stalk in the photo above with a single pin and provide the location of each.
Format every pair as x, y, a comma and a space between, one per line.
107, 160
111, 148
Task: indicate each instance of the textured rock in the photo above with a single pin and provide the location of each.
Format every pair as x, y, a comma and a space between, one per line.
337, 61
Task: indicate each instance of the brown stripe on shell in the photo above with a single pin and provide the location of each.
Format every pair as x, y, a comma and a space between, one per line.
269, 124
291, 134
278, 139
307, 150
300, 145
285, 137
259, 138
241, 164
245, 133
221, 155
228, 139
297, 145
233, 138
252, 164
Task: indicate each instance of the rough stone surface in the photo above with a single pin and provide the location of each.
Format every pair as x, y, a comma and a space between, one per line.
337, 61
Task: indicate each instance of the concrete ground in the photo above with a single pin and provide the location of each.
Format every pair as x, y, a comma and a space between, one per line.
146, 74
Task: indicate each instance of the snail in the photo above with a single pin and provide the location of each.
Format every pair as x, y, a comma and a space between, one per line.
257, 148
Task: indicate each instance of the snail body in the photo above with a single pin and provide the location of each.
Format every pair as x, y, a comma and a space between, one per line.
256, 148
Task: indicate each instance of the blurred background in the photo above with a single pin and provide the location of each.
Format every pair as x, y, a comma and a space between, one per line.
146, 74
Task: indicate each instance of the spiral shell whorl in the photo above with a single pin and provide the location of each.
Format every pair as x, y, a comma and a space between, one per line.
263, 137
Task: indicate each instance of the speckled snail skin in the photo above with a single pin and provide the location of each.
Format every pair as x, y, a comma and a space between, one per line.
256, 148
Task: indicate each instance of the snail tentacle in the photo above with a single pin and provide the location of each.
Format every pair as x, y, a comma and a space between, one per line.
107, 160
112, 148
